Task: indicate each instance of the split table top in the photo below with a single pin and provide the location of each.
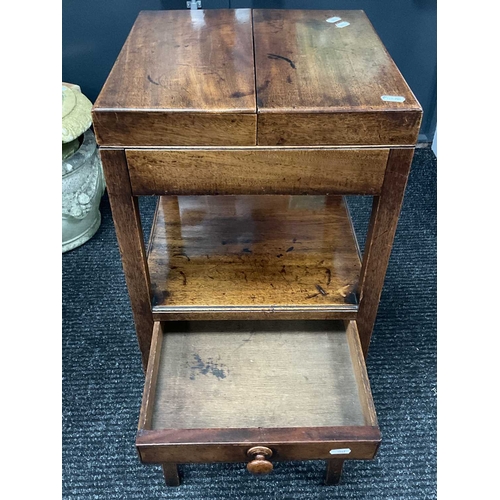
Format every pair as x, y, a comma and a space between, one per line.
255, 77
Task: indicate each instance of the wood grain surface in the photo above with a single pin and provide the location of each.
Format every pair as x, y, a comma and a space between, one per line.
382, 228
127, 221
231, 445
253, 255
148, 128
306, 66
257, 171
186, 78
360, 373
256, 374
149, 392
343, 129
182, 62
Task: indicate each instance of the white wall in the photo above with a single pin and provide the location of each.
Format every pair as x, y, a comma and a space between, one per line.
435, 142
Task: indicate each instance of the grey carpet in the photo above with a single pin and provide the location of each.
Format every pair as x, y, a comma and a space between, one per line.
102, 377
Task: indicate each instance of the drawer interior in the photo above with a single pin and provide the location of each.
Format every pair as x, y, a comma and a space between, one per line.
292, 378
256, 374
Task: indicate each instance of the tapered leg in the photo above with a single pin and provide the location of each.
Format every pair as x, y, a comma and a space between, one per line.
383, 223
333, 471
128, 228
171, 474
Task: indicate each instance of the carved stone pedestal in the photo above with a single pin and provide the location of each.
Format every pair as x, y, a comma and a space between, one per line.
82, 188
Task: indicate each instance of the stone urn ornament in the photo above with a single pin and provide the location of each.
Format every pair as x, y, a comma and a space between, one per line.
82, 178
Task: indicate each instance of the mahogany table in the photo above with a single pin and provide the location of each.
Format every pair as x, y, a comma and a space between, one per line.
252, 303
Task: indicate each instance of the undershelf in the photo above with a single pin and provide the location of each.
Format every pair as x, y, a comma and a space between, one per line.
253, 257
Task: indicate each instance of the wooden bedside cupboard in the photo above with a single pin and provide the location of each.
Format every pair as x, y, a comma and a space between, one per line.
253, 306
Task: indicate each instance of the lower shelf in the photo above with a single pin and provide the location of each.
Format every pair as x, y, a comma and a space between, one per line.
247, 257
216, 389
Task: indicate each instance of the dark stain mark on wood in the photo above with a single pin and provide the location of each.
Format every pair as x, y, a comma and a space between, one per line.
320, 290
283, 58
182, 255
206, 368
264, 86
152, 81
216, 73
246, 250
288, 79
328, 276
211, 277
160, 297
283, 270
295, 239
312, 296
237, 95
184, 280
350, 298
279, 255
244, 341
290, 249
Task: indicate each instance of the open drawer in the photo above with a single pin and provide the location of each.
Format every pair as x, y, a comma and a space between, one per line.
216, 389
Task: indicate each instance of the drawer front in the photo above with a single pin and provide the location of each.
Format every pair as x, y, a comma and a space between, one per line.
232, 445
257, 171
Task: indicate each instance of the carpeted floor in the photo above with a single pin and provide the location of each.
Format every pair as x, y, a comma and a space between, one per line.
103, 379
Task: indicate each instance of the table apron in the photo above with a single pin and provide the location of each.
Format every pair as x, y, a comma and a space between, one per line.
257, 170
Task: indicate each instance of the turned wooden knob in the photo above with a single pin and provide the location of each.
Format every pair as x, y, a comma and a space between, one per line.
259, 464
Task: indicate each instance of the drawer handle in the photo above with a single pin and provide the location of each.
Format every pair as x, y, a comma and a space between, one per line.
259, 463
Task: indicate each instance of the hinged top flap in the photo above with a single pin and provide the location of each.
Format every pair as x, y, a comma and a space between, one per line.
194, 63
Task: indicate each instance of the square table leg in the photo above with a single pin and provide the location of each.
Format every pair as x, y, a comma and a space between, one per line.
171, 474
381, 231
126, 217
334, 471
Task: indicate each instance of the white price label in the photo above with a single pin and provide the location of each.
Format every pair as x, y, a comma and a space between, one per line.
392, 98
340, 451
